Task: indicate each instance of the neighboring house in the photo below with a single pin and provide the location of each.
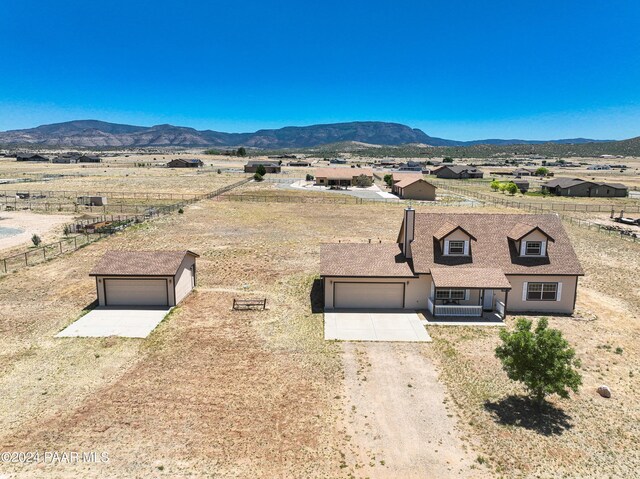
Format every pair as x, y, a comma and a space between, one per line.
410, 166
338, 161
413, 187
340, 176
89, 159
523, 172
598, 167
458, 172
92, 200
185, 163
144, 278
300, 163
30, 157
578, 187
457, 265
269, 166
523, 185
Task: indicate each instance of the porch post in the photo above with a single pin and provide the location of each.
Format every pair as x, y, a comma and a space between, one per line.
506, 302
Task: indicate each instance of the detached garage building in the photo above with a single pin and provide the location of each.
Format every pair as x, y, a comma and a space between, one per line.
144, 278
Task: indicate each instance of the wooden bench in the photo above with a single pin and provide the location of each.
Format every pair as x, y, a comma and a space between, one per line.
249, 303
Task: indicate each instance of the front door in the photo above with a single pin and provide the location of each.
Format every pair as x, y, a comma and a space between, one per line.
487, 302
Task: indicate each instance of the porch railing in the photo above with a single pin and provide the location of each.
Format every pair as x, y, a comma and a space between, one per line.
430, 305
456, 310
500, 308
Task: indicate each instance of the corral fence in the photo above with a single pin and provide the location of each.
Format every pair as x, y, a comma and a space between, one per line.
79, 237
610, 230
12, 195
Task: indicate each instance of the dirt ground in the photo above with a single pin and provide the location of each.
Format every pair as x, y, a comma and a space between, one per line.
48, 227
398, 417
217, 393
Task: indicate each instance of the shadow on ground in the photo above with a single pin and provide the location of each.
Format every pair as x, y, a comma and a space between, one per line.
523, 412
316, 296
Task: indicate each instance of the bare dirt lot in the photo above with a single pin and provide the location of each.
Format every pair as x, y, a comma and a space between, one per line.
47, 227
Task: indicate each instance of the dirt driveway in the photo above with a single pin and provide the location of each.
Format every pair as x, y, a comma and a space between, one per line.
397, 416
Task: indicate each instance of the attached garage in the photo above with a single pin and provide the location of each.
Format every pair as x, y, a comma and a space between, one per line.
353, 295
144, 278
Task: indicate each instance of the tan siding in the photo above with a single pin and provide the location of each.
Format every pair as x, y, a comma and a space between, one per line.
183, 278
564, 306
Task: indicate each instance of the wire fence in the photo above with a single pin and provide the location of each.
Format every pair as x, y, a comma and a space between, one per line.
84, 232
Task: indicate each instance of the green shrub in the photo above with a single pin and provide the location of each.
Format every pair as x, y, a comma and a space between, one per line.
495, 185
36, 240
261, 170
511, 188
181, 211
309, 177
258, 177
363, 181
388, 179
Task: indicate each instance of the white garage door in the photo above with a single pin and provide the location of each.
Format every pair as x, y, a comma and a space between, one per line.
369, 295
136, 292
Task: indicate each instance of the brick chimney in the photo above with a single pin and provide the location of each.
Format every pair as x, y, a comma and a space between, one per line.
408, 230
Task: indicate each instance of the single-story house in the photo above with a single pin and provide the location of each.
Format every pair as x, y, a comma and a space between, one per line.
457, 172
412, 186
300, 163
340, 176
457, 265
89, 159
338, 161
144, 278
92, 200
410, 166
269, 166
578, 187
185, 163
30, 157
523, 172
66, 158
598, 167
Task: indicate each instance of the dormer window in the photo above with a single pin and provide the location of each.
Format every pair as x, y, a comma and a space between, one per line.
533, 248
456, 247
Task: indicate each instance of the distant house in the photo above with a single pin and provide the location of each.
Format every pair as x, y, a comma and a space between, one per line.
300, 163
340, 176
410, 166
523, 172
338, 161
458, 172
89, 159
578, 187
144, 278
269, 166
65, 158
523, 185
598, 167
30, 157
185, 163
413, 187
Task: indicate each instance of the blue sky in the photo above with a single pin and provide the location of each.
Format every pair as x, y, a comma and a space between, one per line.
456, 69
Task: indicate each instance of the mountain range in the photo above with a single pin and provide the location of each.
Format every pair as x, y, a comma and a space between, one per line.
100, 134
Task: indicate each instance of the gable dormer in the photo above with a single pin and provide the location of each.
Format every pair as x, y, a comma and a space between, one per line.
529, 240
454, 240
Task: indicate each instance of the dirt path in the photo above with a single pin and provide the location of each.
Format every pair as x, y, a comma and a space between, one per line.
397, 416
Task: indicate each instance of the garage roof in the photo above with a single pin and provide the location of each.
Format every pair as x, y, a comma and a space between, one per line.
363, 260
140, 263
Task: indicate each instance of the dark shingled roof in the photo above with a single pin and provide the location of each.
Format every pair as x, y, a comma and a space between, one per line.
469, 278
492, 248
363, 259
140, 263
570, 182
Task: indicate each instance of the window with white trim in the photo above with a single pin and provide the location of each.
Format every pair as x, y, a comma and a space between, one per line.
450, 294
542, 291
456, 247
533, 248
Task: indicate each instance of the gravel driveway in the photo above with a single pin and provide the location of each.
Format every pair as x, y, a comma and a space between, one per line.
397, 416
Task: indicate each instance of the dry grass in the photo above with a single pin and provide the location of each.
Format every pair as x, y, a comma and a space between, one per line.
581, 437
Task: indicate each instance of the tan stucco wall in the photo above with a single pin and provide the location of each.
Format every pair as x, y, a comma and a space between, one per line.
565, 305
419, 191
183, 278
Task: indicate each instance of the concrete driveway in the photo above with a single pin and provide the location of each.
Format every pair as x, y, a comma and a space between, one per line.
123, 322
374, 326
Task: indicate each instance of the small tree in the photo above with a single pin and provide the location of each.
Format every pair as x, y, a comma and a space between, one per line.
363, 181
511, 188
495, 185
541, 359
241, 151
258, 177
66, 230
447, 159
309, 177
502, 187
388, 179
219, 171
261, 170
542, 171
36, 240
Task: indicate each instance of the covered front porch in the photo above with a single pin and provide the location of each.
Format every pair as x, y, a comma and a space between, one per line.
479, 293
